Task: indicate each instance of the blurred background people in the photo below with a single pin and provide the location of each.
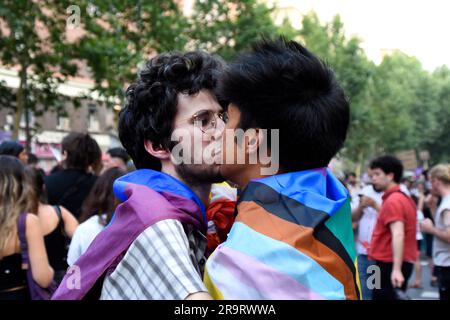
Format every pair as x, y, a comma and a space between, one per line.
97, 211
365, 215
394, 245
419, 199
440, 229
353, 186
116, 157
14, 191
57, 223
70, 185
15, 149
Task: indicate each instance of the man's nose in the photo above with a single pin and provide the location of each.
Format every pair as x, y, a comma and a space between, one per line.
219, 130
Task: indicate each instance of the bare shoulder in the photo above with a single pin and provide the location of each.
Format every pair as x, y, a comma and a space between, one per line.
32, 224
32, 219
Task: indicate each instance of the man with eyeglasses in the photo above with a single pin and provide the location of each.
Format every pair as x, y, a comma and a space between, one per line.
154, 247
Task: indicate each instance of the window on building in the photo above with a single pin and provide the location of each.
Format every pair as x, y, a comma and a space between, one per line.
93, 123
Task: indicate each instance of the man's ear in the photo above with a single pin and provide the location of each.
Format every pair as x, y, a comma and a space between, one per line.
156, 151
391, 176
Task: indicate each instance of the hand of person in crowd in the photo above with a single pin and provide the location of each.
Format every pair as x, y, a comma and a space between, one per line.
397, 278
368, 202
426, 226
421, 196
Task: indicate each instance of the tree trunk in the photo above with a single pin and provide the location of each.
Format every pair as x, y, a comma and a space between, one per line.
27, 128
20, 101
360, 164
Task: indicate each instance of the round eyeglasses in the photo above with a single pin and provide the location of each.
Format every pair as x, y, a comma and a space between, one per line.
206, 120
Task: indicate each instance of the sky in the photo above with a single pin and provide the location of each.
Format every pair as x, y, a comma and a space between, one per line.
416, 27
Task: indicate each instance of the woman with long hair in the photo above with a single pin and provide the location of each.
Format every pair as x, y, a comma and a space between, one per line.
57, 223
14, 191
97, 211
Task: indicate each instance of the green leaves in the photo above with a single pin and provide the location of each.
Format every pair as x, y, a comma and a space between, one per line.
228, 27
394, 106
33, 42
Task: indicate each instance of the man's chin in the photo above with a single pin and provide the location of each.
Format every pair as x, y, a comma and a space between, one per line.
199, 174
227, 175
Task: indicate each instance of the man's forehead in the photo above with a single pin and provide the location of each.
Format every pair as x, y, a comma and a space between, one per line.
190, 104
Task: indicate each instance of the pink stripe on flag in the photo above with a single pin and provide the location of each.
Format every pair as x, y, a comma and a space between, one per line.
270, 283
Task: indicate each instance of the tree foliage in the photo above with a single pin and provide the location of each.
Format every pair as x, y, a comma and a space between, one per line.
396, 105
33, 42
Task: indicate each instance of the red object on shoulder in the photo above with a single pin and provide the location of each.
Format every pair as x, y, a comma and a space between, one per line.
221, 214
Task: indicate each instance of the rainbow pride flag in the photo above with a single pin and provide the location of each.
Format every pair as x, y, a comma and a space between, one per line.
292, 239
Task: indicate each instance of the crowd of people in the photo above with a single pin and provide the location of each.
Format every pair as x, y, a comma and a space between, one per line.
64, 209
395, 219
165, 229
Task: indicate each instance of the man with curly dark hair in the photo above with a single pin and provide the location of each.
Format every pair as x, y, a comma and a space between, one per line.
154, 246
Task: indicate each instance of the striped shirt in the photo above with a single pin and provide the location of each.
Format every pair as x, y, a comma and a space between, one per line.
165, 262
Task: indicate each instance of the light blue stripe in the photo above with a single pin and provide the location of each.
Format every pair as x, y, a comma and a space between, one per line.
285, 259
157, 181
318, 188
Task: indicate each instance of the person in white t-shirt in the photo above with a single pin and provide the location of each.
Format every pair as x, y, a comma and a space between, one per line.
419, 199
97, 211
366, 215
440, 186
354, 188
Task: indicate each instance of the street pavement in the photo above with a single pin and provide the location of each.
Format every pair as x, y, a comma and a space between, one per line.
427, 292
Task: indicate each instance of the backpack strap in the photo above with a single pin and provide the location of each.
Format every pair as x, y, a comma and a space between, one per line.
22, 229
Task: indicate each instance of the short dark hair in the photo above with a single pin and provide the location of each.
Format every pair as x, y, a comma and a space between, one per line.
82, 151
119, 153
350, 174
151, 102
388, 164
11, 148
32, 158
281, 85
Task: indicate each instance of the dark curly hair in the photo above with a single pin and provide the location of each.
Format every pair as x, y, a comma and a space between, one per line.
151, 102
388, 164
